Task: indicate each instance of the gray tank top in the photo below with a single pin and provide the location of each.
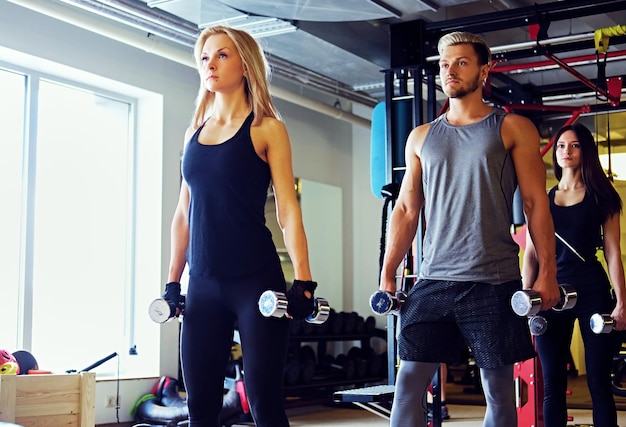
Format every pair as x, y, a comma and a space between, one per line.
469, 180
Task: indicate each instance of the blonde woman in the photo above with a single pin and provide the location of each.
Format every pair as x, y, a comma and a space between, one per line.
236, 145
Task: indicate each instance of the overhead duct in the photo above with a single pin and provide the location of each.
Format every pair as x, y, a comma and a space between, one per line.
152, 45
183, 32
141, 17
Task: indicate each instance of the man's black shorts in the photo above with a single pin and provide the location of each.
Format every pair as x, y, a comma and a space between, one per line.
439, 317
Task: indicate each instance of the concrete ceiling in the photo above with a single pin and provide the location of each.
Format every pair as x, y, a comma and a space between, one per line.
349, 41
342, 47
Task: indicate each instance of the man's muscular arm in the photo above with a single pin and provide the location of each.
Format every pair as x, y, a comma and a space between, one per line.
522, 139
405, 214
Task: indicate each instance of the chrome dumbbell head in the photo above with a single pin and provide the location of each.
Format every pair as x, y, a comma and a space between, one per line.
601, 323
382, 302
568, 299
160, 311
526, 302
537, 325
321, 312
273, 304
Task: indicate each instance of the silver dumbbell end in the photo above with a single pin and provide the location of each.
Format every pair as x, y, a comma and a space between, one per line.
537, 325
568, 299
273, 304
383, 303
601, 323
321, 313
160, 311
526, 302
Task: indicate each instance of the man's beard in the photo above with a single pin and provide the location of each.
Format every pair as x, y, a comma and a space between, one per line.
463, 92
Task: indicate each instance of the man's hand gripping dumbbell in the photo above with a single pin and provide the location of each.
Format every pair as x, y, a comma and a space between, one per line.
169, 306
383, 302
528, 302
298, 303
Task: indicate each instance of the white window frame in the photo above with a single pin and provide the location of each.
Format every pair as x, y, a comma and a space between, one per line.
145, 246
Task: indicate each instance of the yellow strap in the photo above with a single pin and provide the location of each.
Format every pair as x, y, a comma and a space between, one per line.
601, 36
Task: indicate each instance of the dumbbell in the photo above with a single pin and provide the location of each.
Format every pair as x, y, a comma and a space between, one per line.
383, 302
601, 323
537, 325
527, 302
161, 310
274, 304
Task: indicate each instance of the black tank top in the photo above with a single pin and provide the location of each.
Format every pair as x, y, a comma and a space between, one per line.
580, 226
228, 185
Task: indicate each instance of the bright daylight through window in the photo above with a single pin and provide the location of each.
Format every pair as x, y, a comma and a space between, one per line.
67, 167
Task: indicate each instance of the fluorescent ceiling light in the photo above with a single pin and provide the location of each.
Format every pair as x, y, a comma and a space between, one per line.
267, 27
256, 28
153, 3
228, 22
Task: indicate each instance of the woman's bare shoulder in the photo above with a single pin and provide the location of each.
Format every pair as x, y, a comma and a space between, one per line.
189, 132
271, 123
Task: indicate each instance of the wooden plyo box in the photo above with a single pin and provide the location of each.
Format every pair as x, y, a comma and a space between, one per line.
49, 400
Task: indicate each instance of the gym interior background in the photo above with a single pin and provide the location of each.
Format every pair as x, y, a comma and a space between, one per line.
326, 101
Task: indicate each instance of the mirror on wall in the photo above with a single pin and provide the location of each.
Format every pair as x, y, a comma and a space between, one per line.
321, 206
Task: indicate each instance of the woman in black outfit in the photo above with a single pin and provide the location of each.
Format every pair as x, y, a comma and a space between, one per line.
586, 211
236, 145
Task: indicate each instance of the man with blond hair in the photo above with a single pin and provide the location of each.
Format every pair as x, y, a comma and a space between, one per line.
463, 169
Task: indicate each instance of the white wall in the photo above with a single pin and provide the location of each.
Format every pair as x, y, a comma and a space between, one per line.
325, 150
322, 215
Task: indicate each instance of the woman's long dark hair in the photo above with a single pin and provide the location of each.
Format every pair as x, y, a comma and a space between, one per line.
598, 185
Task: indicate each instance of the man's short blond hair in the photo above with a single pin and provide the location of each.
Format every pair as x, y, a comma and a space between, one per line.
460, 37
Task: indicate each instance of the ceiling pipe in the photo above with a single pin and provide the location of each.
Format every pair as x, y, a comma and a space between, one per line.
577, 99
173, 28
531, 44
141, 17
613, 99
89, 22
522, 16
151, 45
589, 59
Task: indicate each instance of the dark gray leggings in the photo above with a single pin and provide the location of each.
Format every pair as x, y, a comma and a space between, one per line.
413, 379
213, 307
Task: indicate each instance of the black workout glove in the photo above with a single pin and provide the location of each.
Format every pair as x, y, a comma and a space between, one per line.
172, 295
299, 306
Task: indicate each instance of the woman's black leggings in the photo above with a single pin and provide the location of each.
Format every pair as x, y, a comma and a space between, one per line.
554, 351
212, 309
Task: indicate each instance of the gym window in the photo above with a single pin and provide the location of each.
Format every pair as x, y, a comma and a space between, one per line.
76, 174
